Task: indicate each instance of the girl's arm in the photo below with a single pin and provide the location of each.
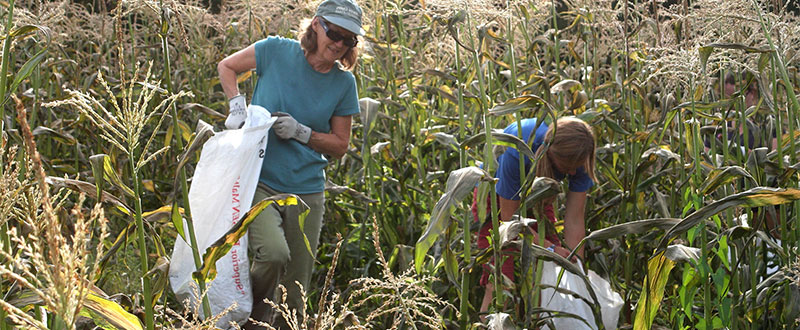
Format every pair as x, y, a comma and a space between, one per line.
507, 208
574, 226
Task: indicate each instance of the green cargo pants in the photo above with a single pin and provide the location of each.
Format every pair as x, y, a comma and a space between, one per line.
279, 255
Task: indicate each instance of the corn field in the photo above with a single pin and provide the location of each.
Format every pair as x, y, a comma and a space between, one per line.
693, 220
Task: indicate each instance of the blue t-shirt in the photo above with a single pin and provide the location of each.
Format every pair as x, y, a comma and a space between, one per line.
287, 83
508, 185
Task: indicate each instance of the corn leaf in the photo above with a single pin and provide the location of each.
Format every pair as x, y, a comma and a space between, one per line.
541, 188
566, 85
244, 76
160, 213
724, 175
650, 157
521, 103
486, 56
555, 314
121, 239
110, 175
614, 126
788, 174
202, 134
438, 91
457, 17
302, 220
177, 221
60, 136
25, 72
160, 278
510, 230
97, 172
460, 183
356, 195
658, 269
653, 178
600, 210
759, 196
444, 139
203, 109
706, 106
450, 263
633, 227
766, 286
509, 233
369, 111
23, 31
440, 74
108, 314
682, 253
500, 138
746, 48
548, 314
500, 321
88, 189
221, 247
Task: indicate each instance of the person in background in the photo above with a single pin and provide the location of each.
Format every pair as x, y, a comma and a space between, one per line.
571, 156
756, 136
308, 86
759, 135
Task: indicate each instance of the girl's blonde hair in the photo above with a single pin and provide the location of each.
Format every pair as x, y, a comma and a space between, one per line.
308, 41
573, 142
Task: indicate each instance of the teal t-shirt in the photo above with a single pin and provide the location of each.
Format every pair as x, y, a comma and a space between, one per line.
287, 83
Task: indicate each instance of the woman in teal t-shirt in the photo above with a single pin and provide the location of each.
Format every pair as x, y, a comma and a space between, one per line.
309, 87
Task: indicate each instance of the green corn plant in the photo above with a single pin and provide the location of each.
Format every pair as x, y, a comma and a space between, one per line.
488, 157
4, 65
65, 288
122, 126
182, 177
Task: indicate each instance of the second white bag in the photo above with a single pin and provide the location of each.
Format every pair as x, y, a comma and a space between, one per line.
610, 301
221, 191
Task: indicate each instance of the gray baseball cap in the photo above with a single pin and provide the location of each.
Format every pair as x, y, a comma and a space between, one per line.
344, 13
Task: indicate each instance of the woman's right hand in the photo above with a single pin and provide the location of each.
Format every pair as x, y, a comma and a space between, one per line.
237, 112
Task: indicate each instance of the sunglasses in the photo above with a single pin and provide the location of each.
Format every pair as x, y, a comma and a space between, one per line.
336, 36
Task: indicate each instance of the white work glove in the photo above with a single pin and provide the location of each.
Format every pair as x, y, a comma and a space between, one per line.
237, 112
286, 127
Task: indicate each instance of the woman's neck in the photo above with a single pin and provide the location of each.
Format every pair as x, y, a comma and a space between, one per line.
318, 63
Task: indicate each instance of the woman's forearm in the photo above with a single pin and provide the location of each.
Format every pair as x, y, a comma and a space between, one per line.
232, 65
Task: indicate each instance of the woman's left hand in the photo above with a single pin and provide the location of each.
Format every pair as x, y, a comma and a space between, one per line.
286, 127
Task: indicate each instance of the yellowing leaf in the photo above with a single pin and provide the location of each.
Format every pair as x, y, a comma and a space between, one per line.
658, 269
108, 314
221, 247
244, 76
149, 185
160, 212
698, 93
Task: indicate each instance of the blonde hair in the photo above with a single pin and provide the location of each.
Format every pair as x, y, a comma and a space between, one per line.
573, 142
308, 42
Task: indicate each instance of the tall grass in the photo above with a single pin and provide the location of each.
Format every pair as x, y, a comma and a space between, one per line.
440, 76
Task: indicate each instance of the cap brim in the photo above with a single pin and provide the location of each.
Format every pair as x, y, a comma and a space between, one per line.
345, 24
